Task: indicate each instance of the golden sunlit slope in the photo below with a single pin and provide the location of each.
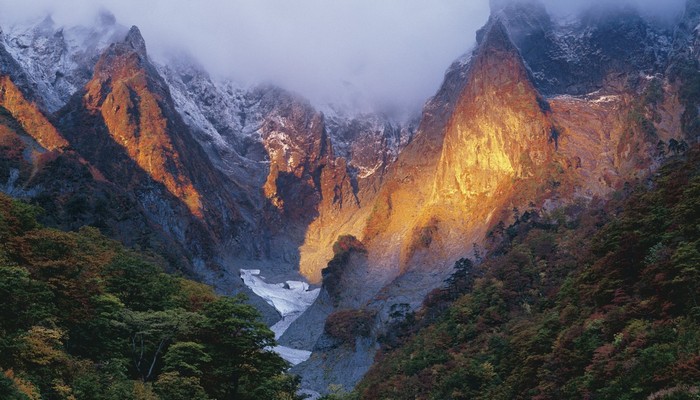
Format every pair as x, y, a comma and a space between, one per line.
124, 123
29, 116
498, 131
131, 110
499, 135
503, 146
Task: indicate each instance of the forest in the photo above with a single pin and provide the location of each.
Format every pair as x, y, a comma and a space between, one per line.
85, 318
594, 300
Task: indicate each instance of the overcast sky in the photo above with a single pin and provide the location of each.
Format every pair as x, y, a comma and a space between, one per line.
390, 53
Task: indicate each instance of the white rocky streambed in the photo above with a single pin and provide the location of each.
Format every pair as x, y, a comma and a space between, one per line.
290, 299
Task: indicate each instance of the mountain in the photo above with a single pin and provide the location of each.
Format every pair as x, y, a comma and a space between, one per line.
541, 115
213, 176
582, 302
236, 148
53, 62
495, 143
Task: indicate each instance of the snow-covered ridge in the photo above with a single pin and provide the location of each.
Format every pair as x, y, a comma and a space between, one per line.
290, 299
231, 119
226, 117
59, 60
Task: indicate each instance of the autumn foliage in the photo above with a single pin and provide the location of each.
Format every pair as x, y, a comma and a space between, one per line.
347, 243
85, 318
591, 301
346, 325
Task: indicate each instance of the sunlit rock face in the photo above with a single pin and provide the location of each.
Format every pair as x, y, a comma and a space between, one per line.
477, 136
499, 135
129, 102
124, 123
443, 190
499, 130
29, 116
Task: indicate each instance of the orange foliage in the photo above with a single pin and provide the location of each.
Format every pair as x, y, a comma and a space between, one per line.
346, 325
346, 243
23, 386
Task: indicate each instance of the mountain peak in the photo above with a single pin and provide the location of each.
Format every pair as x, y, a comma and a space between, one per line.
498, 122
500, 5
47, 22
135, 40
495, 36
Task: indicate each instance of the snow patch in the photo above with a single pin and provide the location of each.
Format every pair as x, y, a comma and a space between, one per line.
58, 59
605, 99
290, 299
293, 356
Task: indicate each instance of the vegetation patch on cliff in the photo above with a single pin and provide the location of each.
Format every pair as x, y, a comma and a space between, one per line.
347, 325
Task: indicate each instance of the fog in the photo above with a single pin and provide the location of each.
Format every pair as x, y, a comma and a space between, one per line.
387, 55
662, 10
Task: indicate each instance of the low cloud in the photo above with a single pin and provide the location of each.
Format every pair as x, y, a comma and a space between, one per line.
664, 11
388, 54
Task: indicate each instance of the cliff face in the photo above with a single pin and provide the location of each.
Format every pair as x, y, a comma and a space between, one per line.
124, 123
29, 116
498, 130
500, 133
128, 100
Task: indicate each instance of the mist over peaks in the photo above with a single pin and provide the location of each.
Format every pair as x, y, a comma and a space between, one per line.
387, 56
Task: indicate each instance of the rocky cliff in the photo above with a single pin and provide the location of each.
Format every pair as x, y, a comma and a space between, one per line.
541, 114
